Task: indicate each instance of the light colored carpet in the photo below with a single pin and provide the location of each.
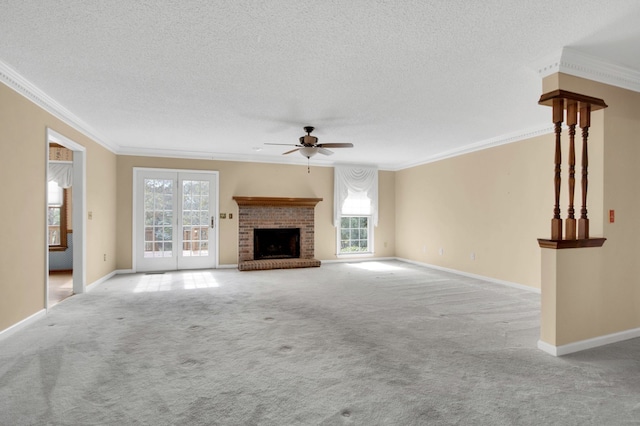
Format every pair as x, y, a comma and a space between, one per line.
375, 343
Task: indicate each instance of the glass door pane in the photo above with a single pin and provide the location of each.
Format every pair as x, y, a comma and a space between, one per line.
195, 218
158, 218
155, 218
198, 195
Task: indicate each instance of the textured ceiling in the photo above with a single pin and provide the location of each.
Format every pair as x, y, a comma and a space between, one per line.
404, 81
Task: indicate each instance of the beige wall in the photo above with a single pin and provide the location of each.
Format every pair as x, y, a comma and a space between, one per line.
494, 203
22, 257
258, 180
606, 298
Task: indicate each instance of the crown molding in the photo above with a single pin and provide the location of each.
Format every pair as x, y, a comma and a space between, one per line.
482, 145
21, 85
573, 62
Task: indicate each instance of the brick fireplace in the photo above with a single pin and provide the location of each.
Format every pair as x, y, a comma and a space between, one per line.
276, 213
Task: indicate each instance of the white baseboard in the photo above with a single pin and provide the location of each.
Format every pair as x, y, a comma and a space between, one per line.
356, 259
548, 348
228, 266
594, 342
470, 275
99, 281
20, 324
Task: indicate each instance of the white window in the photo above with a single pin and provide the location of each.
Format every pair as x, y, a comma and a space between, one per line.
60, 178
355, 208
55, 216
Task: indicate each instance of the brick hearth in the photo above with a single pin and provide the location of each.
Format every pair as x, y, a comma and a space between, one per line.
276, 213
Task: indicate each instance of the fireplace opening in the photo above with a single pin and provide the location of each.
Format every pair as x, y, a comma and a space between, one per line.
276, 243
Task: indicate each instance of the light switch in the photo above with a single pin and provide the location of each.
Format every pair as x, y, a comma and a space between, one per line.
223, 215
90, 215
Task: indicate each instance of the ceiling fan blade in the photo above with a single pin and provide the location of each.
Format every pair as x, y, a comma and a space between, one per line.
335, 145
287, 144
324, 151
289, 152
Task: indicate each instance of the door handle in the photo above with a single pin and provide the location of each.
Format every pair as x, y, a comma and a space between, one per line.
213, 222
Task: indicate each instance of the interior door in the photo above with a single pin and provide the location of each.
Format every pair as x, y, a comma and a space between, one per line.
175, 215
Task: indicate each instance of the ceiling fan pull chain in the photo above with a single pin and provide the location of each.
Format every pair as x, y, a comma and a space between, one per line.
308, 166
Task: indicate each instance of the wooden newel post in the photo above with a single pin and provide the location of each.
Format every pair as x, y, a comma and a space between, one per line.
578, 109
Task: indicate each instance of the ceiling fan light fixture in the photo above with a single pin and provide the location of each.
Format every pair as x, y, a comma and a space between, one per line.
308, 151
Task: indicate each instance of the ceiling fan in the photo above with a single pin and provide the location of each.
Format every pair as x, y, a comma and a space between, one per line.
309, 145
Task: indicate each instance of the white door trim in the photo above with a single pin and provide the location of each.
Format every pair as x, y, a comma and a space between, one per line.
79, 203
134, 206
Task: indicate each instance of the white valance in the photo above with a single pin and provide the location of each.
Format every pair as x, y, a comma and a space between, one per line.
357, 180
61, 173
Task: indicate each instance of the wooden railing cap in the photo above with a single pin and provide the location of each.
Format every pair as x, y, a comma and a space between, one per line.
583, 100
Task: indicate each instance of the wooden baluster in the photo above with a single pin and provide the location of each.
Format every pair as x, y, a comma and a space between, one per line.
556, 222
585, 123
572, 120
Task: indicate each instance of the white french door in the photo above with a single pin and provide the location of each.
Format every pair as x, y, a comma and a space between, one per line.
175, 220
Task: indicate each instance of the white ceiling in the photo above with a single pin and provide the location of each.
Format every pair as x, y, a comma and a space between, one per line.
405, 81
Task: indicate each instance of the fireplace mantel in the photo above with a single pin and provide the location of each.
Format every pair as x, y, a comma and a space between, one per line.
277, 201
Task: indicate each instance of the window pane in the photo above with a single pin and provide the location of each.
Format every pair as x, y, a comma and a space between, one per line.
168, 202
186, 218
54, 194
148, 218
148, 233
357, 204
354, 234
167, 234
54, 236
204, 218
54, 216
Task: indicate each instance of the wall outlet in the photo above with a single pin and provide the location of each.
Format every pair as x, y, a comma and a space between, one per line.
105, 257
441, 251
90, 215
230, 215
424, 249
473, 256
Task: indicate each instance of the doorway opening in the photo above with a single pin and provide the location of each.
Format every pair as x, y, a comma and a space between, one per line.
65, 224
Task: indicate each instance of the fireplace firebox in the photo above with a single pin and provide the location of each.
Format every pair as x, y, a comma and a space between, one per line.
276, 243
